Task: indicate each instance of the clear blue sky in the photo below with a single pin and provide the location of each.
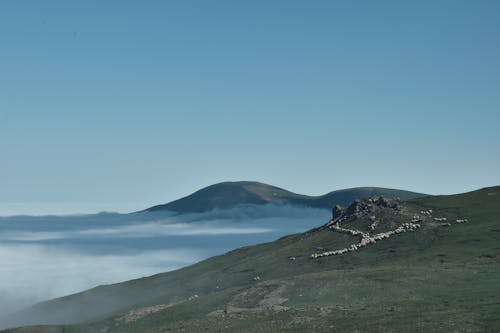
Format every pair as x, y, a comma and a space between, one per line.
117, 105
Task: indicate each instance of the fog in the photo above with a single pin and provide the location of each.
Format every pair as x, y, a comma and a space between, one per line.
51, 256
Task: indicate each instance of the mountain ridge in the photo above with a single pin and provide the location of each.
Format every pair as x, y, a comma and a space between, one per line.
228, 195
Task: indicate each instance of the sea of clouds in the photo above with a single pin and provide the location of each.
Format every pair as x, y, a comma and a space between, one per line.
50, 256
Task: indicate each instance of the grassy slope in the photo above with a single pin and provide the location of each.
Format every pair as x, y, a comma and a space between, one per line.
436, 279
231, 194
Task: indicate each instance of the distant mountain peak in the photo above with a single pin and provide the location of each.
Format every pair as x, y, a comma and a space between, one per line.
227, 195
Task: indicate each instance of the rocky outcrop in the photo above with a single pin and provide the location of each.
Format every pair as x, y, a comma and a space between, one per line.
337, 211
365, 207
359, 208
371, 211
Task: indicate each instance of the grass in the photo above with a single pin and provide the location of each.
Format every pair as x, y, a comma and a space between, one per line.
437, 279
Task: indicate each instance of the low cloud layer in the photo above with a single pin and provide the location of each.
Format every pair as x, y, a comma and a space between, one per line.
135, 231
47, 257
32, 273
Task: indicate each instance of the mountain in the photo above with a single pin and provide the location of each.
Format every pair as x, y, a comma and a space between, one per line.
429, 264
232, 194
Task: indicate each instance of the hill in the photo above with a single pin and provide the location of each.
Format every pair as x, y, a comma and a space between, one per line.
232, 194
380, 265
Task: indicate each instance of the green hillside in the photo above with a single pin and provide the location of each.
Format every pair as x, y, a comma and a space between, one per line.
439, 273
231, 194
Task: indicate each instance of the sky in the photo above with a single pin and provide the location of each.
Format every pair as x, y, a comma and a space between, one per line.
120, 105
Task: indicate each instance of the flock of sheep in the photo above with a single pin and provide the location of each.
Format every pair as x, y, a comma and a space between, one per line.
367, 239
